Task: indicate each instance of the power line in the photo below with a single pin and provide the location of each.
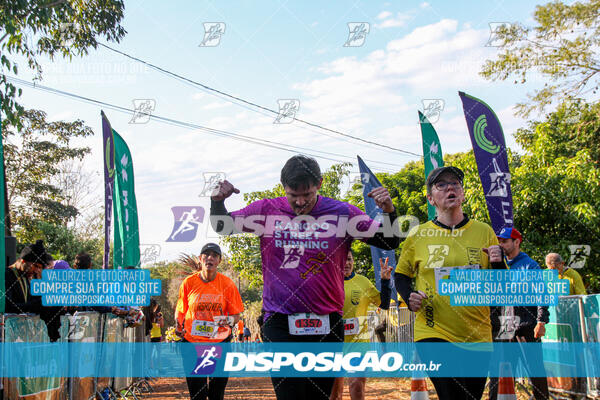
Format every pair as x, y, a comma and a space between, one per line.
189, 125
239, 99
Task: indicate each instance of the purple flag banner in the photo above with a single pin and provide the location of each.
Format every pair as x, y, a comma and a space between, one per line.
489, 148
109, 183
370, 182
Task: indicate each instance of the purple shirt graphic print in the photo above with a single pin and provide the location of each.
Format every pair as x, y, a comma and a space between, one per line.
303, 256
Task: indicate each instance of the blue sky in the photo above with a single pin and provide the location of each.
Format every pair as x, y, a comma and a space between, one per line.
274, 50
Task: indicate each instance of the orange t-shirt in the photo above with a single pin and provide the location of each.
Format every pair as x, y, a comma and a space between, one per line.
199, 302
240, 327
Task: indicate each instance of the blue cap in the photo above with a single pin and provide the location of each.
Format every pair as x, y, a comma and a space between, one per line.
510, 233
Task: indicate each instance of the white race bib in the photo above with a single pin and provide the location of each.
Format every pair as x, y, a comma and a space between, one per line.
443, 272
203, 328
308, 324
351, 326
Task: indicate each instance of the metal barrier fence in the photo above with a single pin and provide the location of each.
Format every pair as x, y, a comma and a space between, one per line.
80, 327
396, 323
574, 319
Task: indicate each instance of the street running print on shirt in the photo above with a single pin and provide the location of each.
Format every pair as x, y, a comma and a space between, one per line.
299, 235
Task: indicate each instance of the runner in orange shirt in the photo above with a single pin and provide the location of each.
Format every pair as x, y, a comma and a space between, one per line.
208, 307
240, 331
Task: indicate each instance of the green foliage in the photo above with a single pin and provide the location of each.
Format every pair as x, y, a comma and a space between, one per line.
572, 127
562, 46
32, 156
31, 28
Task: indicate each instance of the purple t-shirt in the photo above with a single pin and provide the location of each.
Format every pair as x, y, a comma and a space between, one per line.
303, 256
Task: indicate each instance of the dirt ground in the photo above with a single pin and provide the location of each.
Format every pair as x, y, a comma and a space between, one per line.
261, 388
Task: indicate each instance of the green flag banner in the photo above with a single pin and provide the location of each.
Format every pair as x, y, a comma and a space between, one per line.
3, 219
432, 153
126, 250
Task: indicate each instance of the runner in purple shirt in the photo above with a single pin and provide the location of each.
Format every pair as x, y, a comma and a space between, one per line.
304, 240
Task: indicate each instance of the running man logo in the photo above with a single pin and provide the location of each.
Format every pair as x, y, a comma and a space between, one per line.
433, 150
316, 265
77, 325
500, 182
496, 29
68, 33
287, 111
579, 254
437, 255
206, 362
212, 34
292, 255
211, 183
149, 253
357, 33
356, 182
142, 110
432, 108
185, 225
482, 141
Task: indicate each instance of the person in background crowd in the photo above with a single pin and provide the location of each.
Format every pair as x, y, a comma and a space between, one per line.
576, 287
240, 331
208, 307
18, 276
157, 321
82, 261
529, 322
61, 264
360, 293
247, 334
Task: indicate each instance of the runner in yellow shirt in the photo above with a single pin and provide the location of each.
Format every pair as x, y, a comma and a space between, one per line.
360, 293
576, 287
430, 251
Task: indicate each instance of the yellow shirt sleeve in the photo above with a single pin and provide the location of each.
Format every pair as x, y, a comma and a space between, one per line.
578, 286
373, 295
406, 264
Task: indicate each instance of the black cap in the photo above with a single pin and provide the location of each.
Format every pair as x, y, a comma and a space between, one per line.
435, 174
35, 253
211, 247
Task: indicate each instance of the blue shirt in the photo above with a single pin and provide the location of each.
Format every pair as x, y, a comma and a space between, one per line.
522, 261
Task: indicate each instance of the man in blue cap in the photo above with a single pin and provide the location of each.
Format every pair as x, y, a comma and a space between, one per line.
522, 324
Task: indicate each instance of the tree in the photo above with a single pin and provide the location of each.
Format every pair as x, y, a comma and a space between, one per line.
32, 156
31, 28
562, 47
572, 127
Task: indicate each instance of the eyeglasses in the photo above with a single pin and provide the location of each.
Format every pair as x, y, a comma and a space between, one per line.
444, 185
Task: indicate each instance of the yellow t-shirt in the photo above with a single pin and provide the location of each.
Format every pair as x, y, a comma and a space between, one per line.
359, 294
156, 331
575, 282
428, 247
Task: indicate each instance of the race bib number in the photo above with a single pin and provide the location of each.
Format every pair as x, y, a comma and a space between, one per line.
203, 328
351, 326
308, 324
444, 273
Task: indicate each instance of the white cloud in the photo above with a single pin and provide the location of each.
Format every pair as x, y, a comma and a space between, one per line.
399, 21
384, 15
